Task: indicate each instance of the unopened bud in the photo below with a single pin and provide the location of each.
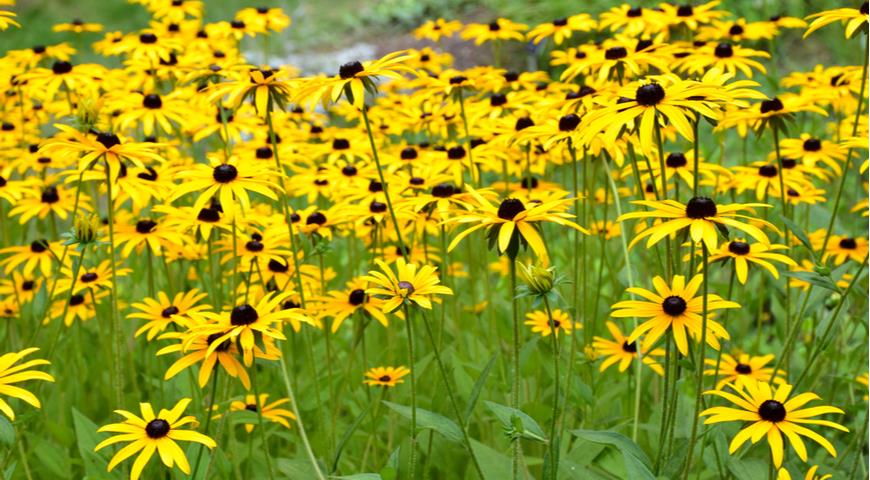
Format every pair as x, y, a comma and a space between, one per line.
86, 228
537, 278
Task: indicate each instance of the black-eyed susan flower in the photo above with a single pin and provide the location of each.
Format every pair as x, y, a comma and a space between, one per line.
387, 377
341, 304
743, 253
55, 200
852, 18
94, 277
264, 317
540, 322
511, 223
10, 373
408, 284
107, 146
272, 412
700, 215
734, 369
840, 247
79, 306
773, 412
40, 254
230, 182
783, 474
150, 434
498, 29
620, 351
437, 29
811, 150
676, 308
561, 29
146, 232
264, 86
77, 25
162, 311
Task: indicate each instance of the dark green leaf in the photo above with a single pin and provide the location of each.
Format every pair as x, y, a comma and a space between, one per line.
530, 428
7, 431
87, 438
431, 421
800, 234
814, 279
344, 438
637, 464
478, 386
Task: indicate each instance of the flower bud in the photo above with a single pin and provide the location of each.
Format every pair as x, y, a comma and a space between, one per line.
822, 270
86, 228
88, 113
538, 279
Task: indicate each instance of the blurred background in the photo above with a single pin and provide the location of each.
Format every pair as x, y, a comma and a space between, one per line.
326, 33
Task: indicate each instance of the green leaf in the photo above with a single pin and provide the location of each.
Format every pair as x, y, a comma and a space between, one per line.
637, 464
478, 386
800, 234
361, 476
347, 434
87, 438
493, 463
814, 279
430, 420
7, 431
508, 416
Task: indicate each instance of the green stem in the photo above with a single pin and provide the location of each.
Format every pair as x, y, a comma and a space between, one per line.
116, 317
699, 366
214, 382
261, 427
409, 330
515, 384
554, 440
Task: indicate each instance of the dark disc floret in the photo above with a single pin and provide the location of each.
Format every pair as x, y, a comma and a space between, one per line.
237, 24
529, 182
443, 190
152, 101
743, 369
377, 207
385, 378
264, 153
523, 123
458, 79
456, 153
554, 324
375, 186
316, 218
407, 286
634, 12
848, 244
254, 246
812, 145
768, 171
169, 311
497, 99
148, 38
494, 26
649, 94
340, 144
865, 8
724, 50
788, 163
629, 347
38, 246
38, 49
356, 297
772, 411
224, 345
642, 44
511, 76
408, 153
278, 267
349, 170
61, 67
417, 181
225, 173
149, 174
701, 207
243, 315
108, 140
157, 428
209, 215
676, 160
674, 305
735, 30
49, 195
772, 105
685, 10
88, 277
738, 248
350, 70
27, 285
560, 22
76, 299
510, 208
568, 123
145, 226
615, 53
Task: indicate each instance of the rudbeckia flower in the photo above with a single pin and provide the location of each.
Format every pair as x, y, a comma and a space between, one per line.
387, 377
271, 412
561, 29
105, 146
676, 308
540, 322
621, 351
11, 374
743, 253
735, 369
162, 311
150, 434
773, 414
700, 215
499, 29
853, 18
409, 284
437, 29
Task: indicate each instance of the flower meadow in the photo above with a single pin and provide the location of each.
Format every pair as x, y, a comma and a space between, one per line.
644, 259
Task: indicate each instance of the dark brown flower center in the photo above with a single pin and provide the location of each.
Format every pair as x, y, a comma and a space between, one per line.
560, 22
615, 53
157, 428
812, 145
88, 277
701, 207
407, 286
685, 11
772, 411
738, 248
772, 105
377, 207
209, 215
350, 70
243, 315
49, 195
456, 153
145, 226
848, 244
316, 218
674, 305
340, 144
76, 299
523, 123
768, 171
649, 94
629, 347
148, 38
743, 369
510, 208
724, 50
264, 153
152, 101
225, 173
735, 30
169, 311
676, 160
357, 297
108, 140
38, 246
223, 347
568, 122
385, 378
61, 67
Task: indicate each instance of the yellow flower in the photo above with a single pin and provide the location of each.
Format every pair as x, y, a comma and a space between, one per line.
385, 376
152, 433
736, 369
540, 322
620, 350
676, 308
409, 284
773, 415
11, 373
